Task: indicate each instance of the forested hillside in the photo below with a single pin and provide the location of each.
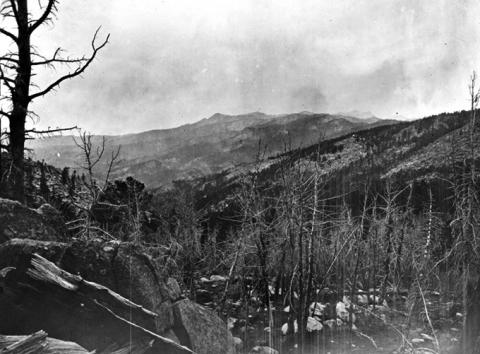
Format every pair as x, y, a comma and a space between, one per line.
358, 241
375, 214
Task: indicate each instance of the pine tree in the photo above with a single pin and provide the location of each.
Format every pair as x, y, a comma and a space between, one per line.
65, 175
73, 181
44, 191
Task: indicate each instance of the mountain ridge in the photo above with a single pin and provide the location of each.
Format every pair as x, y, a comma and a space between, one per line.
426, 153
210, 145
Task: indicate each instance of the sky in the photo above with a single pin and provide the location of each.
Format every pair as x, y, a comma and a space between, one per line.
172, 62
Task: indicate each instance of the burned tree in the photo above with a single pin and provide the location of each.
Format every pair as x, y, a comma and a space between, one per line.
17, 67
467, 222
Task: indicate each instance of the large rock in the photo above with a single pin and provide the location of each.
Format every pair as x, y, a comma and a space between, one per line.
19, 221
37, 294
201, 329
13, 252
122, 267
126, 269
263, 350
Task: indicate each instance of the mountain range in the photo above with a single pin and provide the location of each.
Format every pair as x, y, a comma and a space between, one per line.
431, 151
209, 146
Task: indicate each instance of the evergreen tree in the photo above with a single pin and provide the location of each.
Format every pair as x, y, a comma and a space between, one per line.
73, 181
44, 191
65, 175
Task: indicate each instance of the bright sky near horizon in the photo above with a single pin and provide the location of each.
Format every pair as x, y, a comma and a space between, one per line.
173, 62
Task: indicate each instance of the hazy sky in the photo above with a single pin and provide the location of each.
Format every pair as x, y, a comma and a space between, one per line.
172, 62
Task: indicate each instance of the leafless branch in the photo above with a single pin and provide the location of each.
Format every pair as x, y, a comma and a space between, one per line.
113, 158
56, 59
13, 7
50, 131
79, 70
9, 59
8, 81
51, 6
8, 34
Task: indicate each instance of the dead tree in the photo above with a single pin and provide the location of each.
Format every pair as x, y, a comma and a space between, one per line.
18, 66
467, 211
93, 155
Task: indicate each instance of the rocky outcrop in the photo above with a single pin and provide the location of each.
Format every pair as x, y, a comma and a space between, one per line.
19, 221
202, 330
38, 294
127, 270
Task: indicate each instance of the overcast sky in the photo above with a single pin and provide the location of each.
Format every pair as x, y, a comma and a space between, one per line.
173, 62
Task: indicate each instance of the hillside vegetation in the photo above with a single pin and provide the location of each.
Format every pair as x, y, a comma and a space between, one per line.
357, 242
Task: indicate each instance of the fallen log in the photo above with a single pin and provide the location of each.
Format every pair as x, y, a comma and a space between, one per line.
38, 343
37, 295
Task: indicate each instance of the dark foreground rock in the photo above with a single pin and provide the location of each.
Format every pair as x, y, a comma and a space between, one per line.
19, 221
38, 294
122, 268
195, 324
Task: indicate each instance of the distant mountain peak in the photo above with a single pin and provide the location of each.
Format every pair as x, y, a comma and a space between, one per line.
219, 115
358, 114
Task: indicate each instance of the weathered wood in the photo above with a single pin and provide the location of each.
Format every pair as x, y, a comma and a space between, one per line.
46, 271
38, 343
41, 296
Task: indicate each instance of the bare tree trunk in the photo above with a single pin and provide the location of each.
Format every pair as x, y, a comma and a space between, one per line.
301, 319
17, 78
20, 101
471, 274
386, 263
374, 256
311, 247
472, 312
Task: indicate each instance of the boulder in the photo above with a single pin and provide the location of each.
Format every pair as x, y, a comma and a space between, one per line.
52, 217
201, 330
263, 350
314, 325
343, 312
317, 309
218, 278
19, 221
122, 267
285, 329
231, 323
36, 294
362, 299
238, 343
127, 270
15, 251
